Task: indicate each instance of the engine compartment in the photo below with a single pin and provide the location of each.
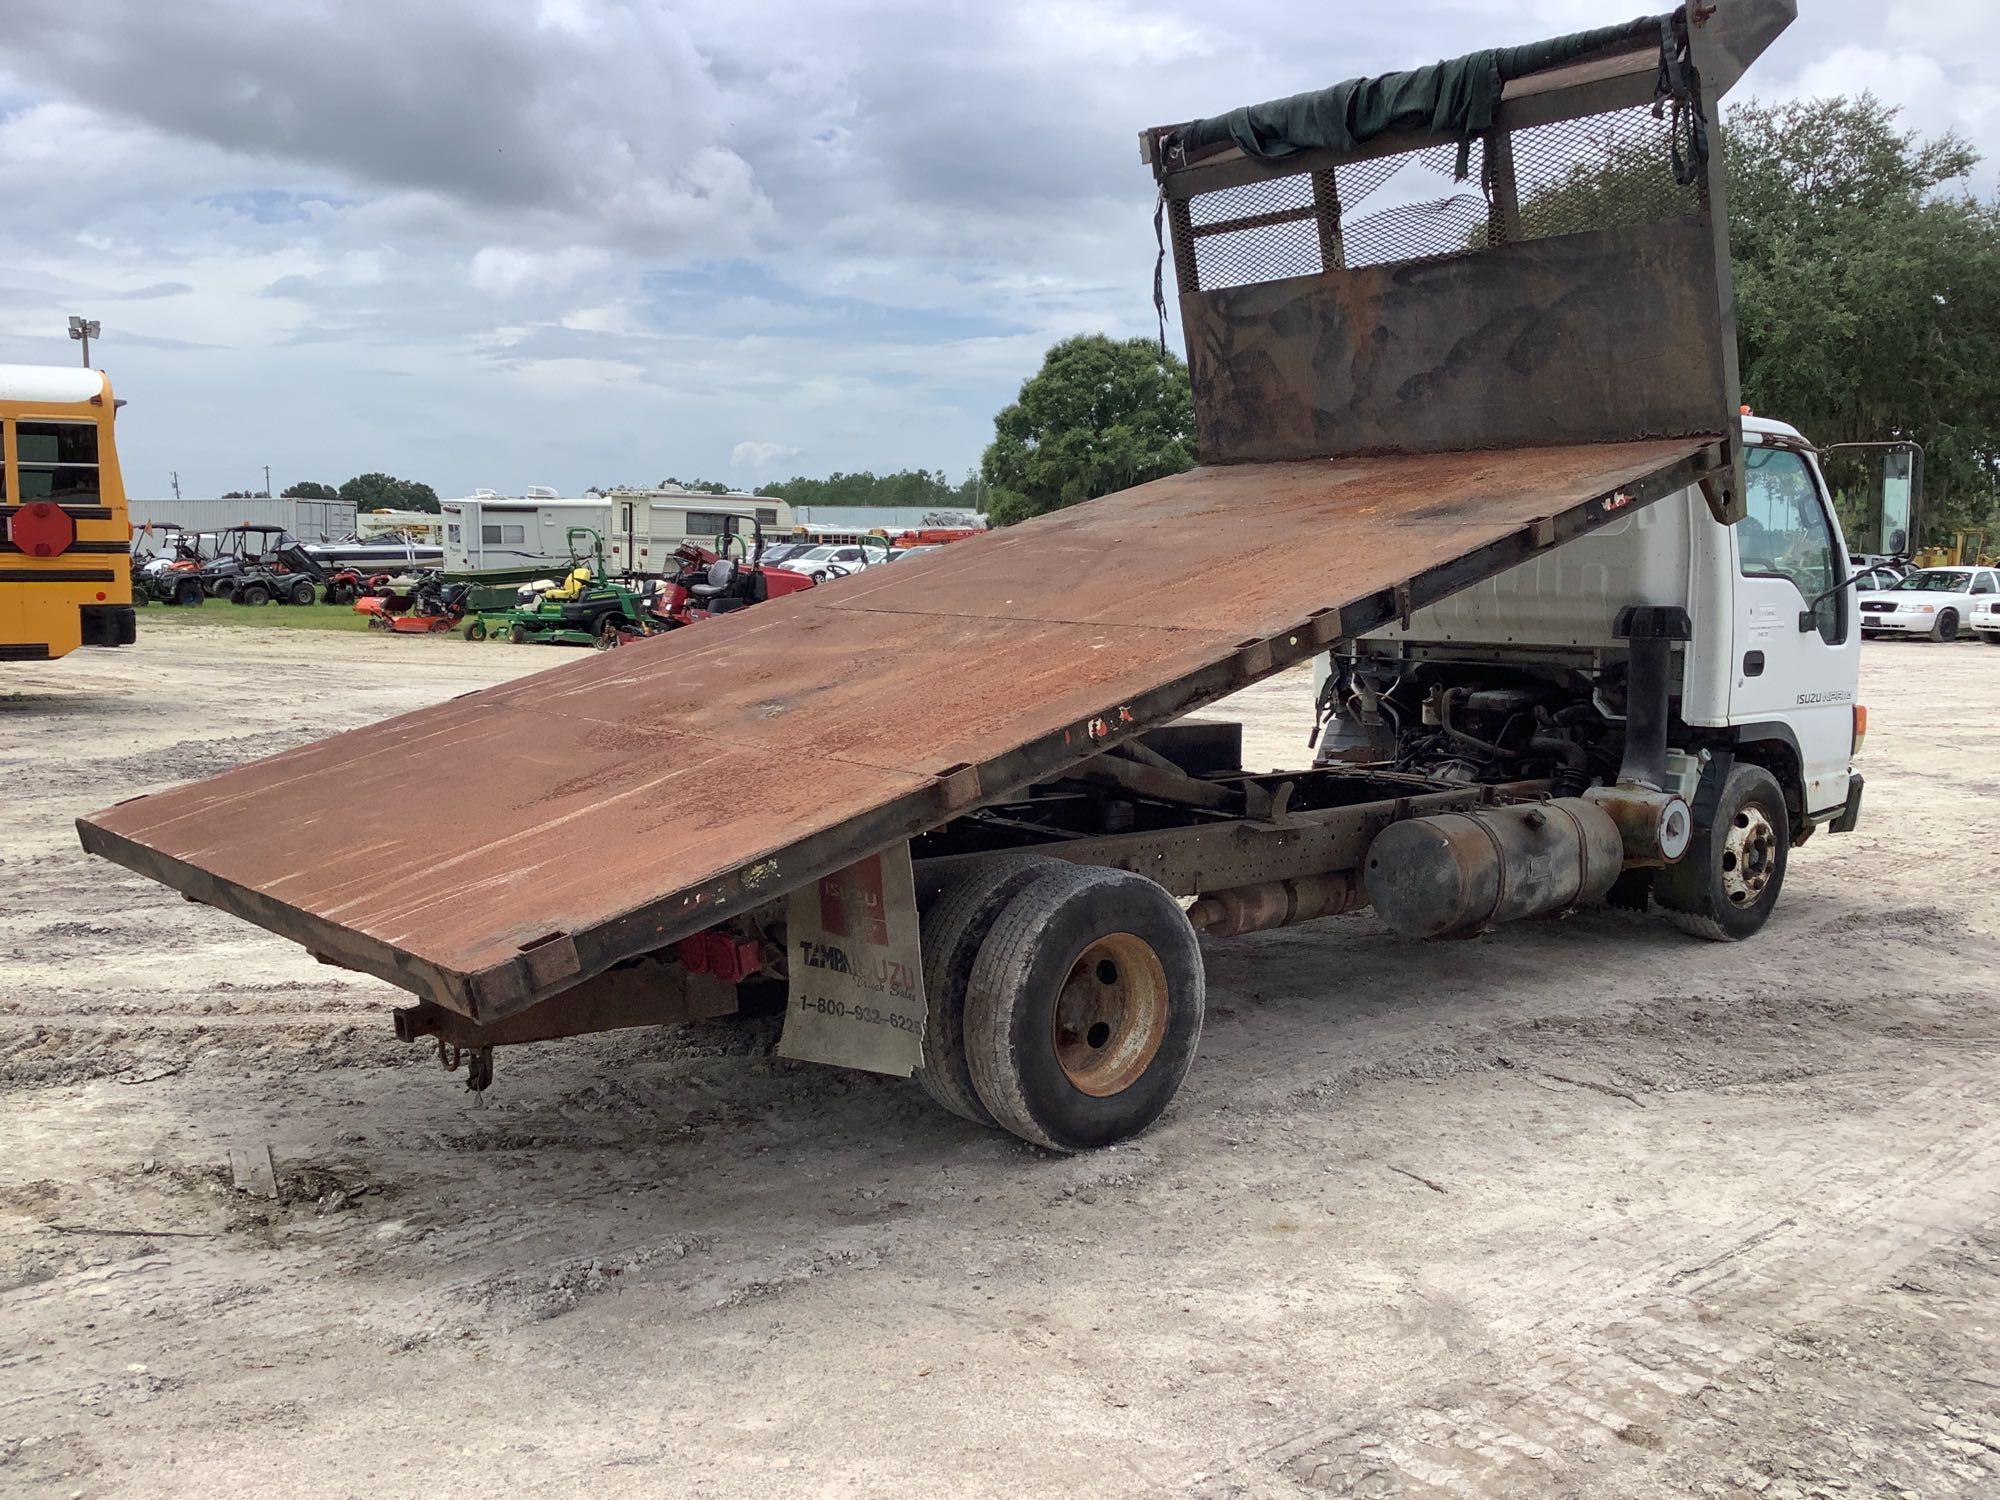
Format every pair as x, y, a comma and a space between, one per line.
1477, 723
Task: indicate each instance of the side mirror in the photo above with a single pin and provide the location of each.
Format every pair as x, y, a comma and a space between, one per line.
1895, 515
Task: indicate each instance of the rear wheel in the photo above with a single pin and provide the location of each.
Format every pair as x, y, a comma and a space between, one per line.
302, 592
1727, 883
253, 593
188, 591
955, 926
1084, 1008
1946, 628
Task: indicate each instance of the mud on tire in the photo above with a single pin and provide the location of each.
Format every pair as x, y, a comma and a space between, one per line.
1084, 1008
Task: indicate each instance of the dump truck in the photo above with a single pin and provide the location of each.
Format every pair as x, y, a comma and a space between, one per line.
1482, 454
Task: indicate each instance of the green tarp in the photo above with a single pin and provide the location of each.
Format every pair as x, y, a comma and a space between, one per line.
1457, 98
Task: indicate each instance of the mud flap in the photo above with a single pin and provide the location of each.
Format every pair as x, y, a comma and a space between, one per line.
857, 988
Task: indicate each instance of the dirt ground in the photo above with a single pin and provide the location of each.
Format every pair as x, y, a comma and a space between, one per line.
1583, 1208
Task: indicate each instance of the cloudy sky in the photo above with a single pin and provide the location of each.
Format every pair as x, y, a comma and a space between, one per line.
568, 242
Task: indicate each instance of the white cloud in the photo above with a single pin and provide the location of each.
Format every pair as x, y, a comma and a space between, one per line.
756, 455
582, 241
506, 270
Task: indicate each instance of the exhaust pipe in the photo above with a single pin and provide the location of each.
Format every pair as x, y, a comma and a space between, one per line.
1655, 823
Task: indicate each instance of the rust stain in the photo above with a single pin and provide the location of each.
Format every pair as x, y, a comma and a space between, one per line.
573, 798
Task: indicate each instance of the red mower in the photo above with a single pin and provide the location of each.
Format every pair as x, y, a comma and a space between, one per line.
429, 608
719, 582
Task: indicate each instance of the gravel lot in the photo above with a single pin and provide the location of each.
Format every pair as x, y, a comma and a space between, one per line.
1583, 1208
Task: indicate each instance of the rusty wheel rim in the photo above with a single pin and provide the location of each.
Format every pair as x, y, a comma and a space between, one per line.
1111, 1014
1749, 857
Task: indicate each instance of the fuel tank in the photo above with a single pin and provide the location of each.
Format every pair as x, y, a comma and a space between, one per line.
1456, 874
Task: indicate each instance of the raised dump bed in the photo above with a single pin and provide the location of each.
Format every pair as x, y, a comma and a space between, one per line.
1389, 411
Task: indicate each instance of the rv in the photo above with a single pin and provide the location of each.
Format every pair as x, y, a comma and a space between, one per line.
648, 525
494, 538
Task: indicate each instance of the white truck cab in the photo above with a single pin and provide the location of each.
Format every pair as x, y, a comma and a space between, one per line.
1764, 669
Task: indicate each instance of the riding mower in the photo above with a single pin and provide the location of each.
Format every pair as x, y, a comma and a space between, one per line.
584, 609
730, 578
429, 607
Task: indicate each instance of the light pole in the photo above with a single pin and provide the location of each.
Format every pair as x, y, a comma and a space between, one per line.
80, 328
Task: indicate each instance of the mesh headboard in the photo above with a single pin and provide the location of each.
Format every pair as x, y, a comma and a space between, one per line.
1572, 287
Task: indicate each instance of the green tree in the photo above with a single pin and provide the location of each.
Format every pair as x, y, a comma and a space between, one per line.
1867, 287
306, 489
1868, 292
386, 492
1100, 415
927, 488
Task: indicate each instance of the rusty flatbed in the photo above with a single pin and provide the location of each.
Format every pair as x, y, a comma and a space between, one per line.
492, 851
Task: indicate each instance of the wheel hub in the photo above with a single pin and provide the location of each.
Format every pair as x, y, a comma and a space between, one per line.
1749, 857
1111, 1014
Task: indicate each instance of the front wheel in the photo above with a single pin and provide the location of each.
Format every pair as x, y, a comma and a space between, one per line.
1727, 883
476, 631
1084, 1008
188, 592
1946, 628
518, 634
253, 593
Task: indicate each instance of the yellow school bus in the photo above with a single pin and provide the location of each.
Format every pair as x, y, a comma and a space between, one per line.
65, 561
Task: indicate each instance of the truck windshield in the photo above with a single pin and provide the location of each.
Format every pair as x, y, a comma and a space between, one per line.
1937, 583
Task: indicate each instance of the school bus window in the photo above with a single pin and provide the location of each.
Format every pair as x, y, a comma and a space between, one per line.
56, 460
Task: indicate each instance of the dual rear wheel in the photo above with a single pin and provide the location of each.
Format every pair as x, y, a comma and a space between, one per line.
1065, 1001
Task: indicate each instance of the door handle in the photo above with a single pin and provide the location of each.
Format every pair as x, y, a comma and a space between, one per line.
1753, 664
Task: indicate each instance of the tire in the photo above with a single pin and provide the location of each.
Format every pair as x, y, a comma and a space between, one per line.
1946, 628
1109, 958
342, 593
253, 593
1991, 640
518, 634
476, 631
1727, 883
188, 592
302, 592
955, 925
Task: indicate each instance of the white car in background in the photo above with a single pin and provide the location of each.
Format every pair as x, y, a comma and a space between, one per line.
825, 563
1934, 602
1986, 619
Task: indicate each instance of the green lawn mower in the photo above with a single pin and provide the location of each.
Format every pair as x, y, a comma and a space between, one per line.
583, 610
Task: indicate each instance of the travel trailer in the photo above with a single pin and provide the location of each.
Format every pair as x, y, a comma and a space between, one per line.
495, 538
647, 525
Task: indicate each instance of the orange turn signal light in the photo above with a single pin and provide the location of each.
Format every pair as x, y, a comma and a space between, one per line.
1860, 726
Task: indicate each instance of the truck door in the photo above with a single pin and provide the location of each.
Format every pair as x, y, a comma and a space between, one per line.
1789, 552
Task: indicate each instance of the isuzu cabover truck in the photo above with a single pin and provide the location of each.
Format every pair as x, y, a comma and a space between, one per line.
1465, 386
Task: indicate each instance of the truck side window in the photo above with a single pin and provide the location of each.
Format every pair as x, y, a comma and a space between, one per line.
1784, 533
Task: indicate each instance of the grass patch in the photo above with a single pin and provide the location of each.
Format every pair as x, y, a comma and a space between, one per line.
253, 616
